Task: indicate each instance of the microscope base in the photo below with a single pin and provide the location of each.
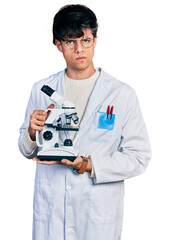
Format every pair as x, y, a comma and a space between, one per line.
57, 154
55, 158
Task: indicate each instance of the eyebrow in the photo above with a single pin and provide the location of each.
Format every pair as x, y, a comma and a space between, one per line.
85, 37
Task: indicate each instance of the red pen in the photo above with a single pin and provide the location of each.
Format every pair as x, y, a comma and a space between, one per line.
111, 112
108, 110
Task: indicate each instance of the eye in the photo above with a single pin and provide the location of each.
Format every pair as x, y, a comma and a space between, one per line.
69, 42
86, 40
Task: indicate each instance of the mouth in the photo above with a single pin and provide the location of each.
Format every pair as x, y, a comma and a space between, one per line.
80, 58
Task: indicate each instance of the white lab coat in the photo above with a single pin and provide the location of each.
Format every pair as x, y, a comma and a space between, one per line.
68, 206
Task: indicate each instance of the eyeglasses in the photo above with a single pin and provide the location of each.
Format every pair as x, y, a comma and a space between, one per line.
85, 42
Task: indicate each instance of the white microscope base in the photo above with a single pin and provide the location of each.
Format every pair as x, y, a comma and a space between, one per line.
58, 154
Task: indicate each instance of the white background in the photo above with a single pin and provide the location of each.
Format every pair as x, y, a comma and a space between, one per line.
133, 46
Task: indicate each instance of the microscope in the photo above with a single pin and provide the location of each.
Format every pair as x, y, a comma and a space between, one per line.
48, 139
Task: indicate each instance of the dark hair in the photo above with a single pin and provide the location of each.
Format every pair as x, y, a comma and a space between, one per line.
71, 20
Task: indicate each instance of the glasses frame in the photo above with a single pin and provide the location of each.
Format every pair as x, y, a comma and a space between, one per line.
75, 42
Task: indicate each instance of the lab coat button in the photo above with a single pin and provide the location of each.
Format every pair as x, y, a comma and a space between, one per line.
68, 188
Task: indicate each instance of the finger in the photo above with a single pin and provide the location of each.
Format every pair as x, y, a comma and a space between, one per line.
47, 162
36, 127
39, 112
41, 117
67, 162
37, 122
75, 164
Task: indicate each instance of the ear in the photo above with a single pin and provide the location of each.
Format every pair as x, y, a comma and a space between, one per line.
95, 41
58, 45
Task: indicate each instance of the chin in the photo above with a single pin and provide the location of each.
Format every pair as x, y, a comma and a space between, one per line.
80, 67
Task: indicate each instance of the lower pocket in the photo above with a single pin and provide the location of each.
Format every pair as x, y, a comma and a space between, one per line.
105, 203
42, 200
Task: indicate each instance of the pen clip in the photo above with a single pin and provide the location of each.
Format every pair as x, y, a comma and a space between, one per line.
111, 112
108, 111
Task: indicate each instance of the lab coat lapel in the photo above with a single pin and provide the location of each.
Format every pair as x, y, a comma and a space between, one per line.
60, 87
99, 93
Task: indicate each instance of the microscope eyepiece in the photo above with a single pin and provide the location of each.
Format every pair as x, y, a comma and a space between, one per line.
46, 89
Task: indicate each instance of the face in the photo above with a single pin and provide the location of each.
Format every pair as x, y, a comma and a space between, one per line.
79, 57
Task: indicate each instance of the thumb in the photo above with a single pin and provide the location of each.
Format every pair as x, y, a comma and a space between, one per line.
51, 106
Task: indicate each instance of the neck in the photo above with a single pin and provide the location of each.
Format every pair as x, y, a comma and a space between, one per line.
80, 74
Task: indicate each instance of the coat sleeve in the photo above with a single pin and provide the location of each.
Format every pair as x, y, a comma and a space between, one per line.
29, 110
133, 153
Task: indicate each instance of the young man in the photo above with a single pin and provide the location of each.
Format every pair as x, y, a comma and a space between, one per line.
88, 206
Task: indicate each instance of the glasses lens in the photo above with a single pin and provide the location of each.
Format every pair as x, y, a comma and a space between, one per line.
69, 44
87, 42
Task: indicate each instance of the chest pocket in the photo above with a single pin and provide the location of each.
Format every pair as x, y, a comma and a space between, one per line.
102, 128
106, 121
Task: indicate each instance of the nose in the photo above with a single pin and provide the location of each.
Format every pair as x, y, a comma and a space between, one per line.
78, 47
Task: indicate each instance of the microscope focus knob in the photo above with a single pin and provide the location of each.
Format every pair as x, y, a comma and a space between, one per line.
68, 143
47, 135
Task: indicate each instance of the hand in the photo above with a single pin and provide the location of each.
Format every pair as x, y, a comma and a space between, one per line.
37, 120
75, 164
